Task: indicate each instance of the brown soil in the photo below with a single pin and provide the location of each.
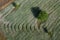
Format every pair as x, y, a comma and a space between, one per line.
2, 36
4, 3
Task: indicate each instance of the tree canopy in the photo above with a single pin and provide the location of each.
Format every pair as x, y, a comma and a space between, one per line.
39, 14
43, 16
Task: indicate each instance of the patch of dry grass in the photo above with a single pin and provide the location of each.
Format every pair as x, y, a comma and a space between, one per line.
2, 36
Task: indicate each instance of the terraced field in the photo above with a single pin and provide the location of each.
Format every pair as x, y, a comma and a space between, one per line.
22, 25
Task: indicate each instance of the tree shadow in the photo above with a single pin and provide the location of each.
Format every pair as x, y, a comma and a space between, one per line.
45, 29
35, 11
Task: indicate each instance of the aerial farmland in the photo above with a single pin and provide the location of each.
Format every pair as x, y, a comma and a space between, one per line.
29, 19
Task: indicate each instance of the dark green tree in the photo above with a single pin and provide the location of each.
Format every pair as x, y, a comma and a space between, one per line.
16, 5
41, 15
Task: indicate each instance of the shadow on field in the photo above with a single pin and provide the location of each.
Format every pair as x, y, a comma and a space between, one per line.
35, 11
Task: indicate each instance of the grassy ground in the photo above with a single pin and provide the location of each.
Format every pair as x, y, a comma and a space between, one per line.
21, 24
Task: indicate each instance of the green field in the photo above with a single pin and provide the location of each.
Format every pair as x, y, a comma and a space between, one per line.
20, 24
